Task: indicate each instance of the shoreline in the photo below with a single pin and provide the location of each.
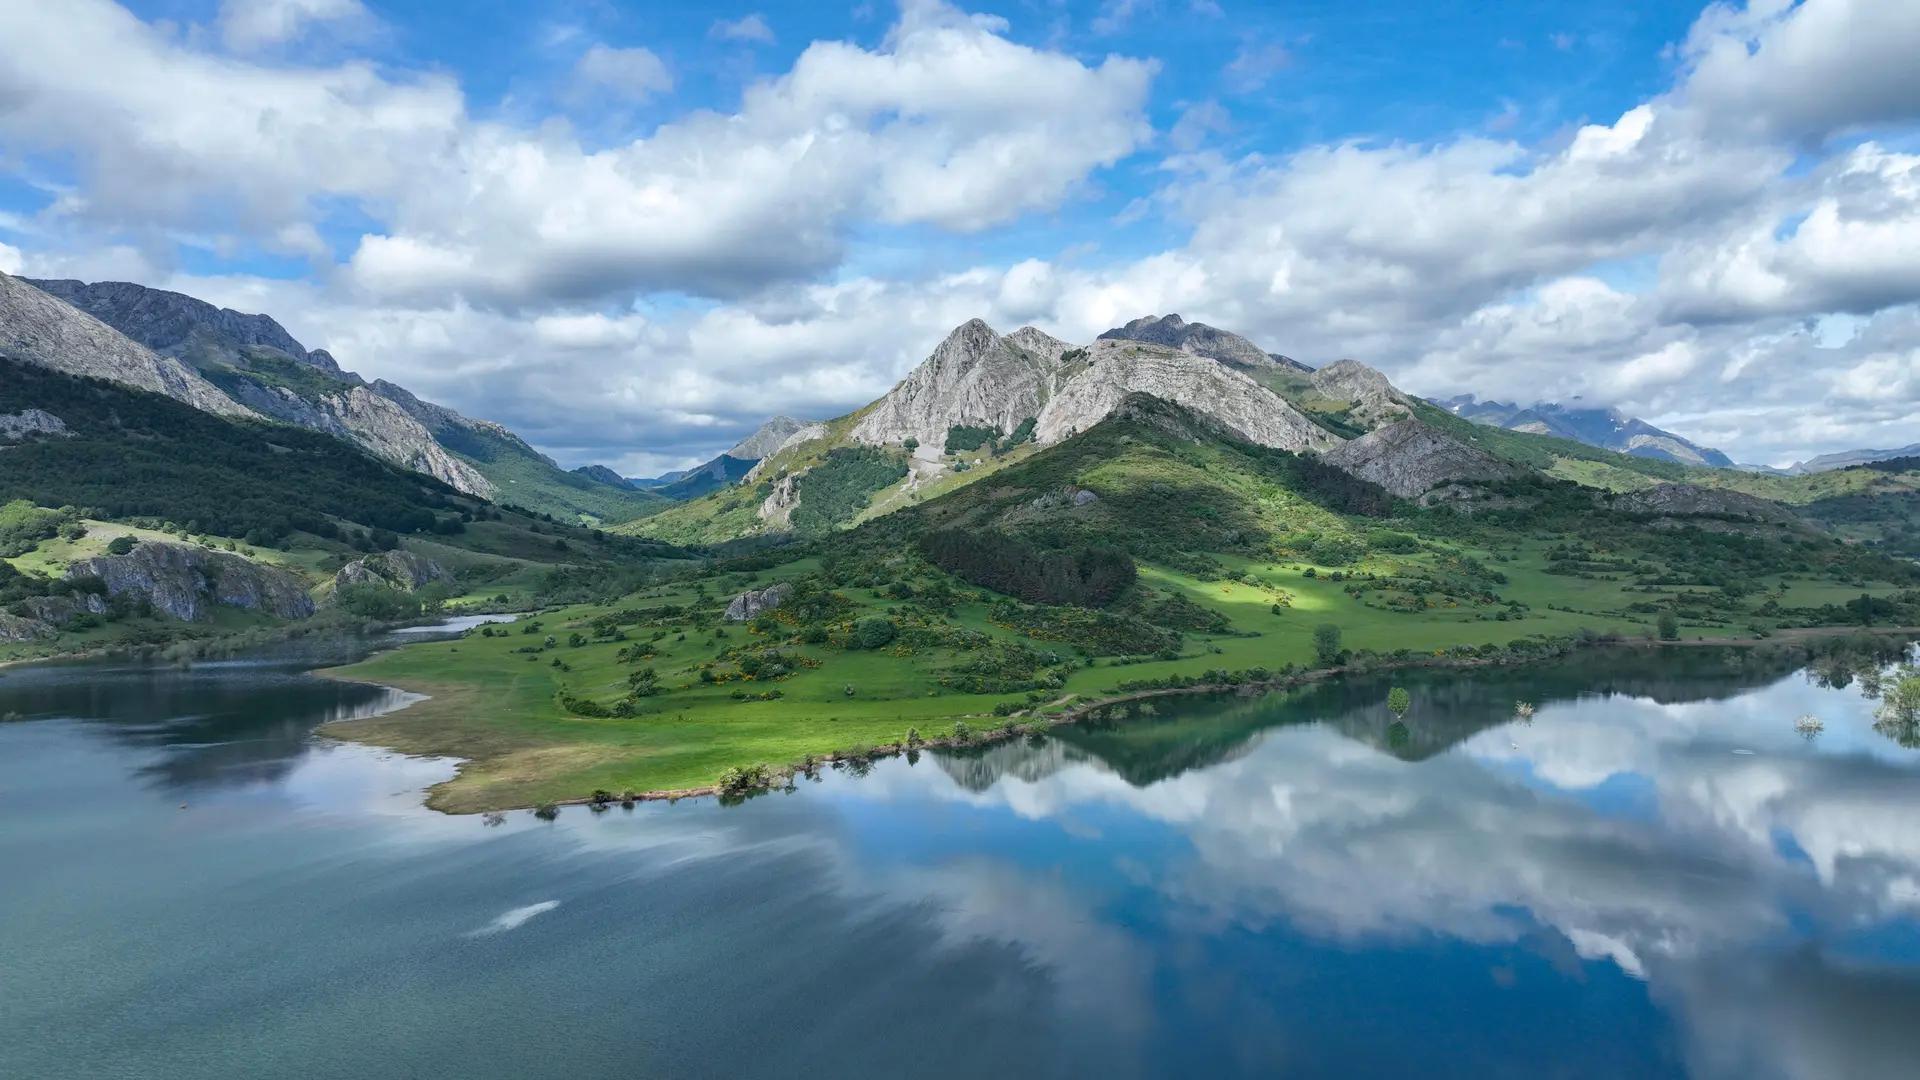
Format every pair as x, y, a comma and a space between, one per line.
777, 775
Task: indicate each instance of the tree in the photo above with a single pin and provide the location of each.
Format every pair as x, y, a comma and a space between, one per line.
1399, 701
644, 683
120, 545
1668, 627
874, 632
1326, 644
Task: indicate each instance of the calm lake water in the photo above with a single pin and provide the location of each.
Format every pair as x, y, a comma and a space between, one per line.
1656, 876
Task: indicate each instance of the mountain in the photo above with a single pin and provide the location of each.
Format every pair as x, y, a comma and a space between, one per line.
974, 379
1847, 459
1609, 429
38, 329
174, 324
600, 474
767, 438
227, 361
1202, 340
1416, 461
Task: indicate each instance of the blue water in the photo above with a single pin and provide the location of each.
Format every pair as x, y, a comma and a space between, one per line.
1656, 876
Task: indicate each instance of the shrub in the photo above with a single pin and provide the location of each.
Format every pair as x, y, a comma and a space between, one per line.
1668, 627
120, 545
874, 632
961, 732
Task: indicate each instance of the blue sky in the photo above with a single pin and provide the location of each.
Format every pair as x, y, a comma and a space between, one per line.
631, 230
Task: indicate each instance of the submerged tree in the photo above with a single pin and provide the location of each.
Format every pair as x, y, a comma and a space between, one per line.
1399, 701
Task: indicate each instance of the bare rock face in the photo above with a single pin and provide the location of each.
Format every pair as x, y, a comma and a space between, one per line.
40, 329
754, 601
1687, 500
777, 508
21, 628
186, 582
401, 570
27, 423
1116, 368
1375, 399
1411, 459
174, 324
61, 610
768, 438
389, 431
974, 378
1200, 339
1040, 343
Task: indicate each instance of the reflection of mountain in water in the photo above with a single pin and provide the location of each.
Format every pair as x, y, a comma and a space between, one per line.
234, 721
981, 768
1179, 733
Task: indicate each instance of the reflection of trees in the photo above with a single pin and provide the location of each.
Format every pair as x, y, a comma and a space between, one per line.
1179, 733
227, 722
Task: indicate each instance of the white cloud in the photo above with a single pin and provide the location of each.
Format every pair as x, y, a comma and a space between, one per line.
246, 25
633, 74
750, 28
10, 259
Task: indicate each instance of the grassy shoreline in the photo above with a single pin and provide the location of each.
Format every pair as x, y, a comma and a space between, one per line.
390, 730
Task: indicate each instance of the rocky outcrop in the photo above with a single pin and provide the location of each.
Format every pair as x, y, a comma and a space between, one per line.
180, 326
186, 582
384, 428
1040, 343
61, 610
401, 570
1116, 368
1688, 500
777, 508
40, 329
1374, 399
754, 601
28, 423
974, 378
1411, 459
14, 628
1200, 339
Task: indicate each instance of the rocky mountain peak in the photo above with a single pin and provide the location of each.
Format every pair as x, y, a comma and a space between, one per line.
1040, 343
38, 328
767, 438
180, 326
1199, 339
974, 377
1376, 401
1117, 368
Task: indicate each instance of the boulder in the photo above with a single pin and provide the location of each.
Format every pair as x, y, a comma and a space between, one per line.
754, 601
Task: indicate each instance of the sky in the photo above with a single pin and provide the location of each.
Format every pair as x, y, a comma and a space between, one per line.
632, 231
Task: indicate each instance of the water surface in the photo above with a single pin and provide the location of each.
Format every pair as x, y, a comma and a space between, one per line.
1656, 876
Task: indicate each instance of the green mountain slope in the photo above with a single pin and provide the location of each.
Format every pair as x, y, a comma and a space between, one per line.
1151, 550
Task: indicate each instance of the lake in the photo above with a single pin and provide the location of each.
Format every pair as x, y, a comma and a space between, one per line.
1655, 876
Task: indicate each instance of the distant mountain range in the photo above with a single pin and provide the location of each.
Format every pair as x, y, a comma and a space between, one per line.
1609, 429
1844, 459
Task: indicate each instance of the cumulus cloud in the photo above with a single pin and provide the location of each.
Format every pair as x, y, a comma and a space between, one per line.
1668, 260
749, 28
246, 25
634, 74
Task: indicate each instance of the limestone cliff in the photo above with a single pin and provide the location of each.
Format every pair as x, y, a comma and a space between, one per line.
401, 570
1411, 459
186, 582
1688, 500
1375, 400
1114, 368
974, 378
40, 329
